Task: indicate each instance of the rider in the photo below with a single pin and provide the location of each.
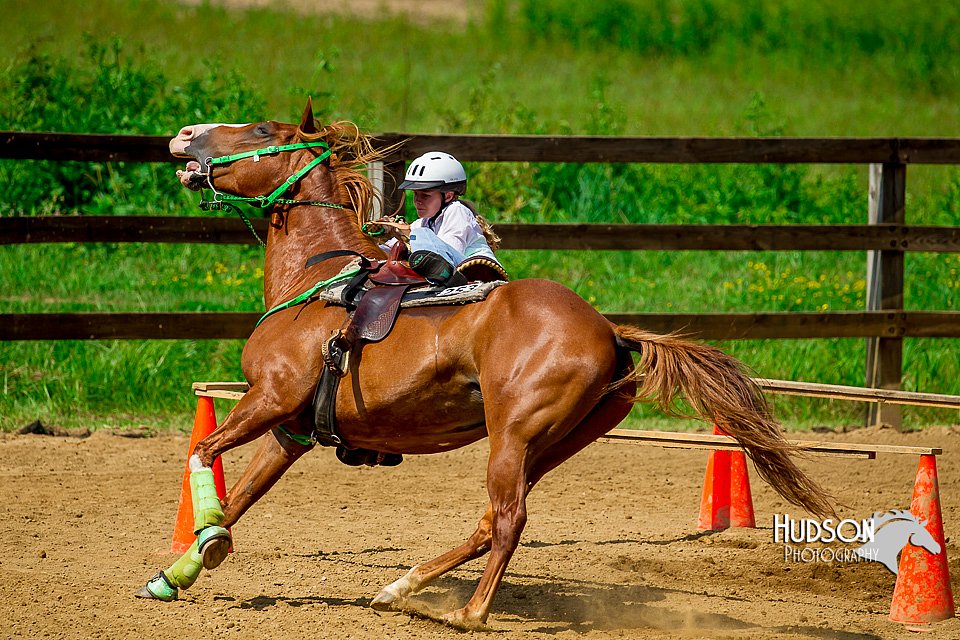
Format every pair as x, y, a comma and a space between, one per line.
447, 230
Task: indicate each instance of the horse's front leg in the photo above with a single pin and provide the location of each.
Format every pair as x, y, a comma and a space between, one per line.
278, 450
276, 453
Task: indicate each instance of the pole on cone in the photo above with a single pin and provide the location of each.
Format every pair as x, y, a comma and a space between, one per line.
922, 593
726, 500
204, 424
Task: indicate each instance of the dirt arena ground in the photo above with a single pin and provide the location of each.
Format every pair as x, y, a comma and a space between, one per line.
611, 549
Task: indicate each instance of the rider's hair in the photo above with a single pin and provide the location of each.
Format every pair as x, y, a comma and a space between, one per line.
491, 236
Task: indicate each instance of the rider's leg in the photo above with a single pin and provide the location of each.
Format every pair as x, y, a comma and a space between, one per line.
434, 259
436, 269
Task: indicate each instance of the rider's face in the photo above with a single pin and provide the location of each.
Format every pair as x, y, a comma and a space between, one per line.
427, 202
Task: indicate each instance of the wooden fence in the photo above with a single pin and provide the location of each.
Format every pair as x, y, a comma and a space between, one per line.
885, 238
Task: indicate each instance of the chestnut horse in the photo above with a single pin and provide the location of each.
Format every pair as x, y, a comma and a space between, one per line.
533, 368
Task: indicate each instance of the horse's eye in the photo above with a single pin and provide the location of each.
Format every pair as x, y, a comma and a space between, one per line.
263, 129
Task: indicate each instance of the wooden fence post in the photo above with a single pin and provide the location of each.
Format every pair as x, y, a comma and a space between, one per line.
392, 176
375, 173
884, 366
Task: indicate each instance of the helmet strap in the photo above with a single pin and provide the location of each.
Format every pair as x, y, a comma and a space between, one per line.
444, 203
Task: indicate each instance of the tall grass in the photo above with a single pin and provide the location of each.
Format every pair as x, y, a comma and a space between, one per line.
920, 42
108, 88
708, 67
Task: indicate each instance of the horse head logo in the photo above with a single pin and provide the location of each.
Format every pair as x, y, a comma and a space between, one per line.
892, 531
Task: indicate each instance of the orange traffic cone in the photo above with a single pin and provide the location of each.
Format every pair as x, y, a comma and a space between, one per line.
923, 593
203, 425
741, 500
726, 500
715, 501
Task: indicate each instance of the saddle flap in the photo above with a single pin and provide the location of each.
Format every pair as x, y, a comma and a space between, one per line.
375, 317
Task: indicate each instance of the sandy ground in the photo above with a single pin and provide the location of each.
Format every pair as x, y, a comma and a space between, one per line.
611, 549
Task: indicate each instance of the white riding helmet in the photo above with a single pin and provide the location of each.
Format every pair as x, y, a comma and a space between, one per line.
435, 170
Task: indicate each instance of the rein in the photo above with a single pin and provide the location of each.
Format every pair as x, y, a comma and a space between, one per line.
306, 295
225, 201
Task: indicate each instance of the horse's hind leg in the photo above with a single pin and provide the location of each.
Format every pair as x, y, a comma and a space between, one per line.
610, 412
420, 576
606, 415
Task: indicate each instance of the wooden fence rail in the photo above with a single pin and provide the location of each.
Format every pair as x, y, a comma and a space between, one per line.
502, 148
645, 237
706, 326
886, 239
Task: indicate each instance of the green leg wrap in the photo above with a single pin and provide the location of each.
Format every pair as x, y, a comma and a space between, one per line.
207, 511
185, 571
159, 588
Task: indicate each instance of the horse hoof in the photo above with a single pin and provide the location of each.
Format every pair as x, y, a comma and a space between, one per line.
214, 544
157, 588
459, 620
393, 596
385, 601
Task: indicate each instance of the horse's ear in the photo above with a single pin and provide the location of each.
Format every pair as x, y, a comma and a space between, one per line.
307, 125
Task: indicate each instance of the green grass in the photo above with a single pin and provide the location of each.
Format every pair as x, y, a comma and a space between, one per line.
716, 67
395, 75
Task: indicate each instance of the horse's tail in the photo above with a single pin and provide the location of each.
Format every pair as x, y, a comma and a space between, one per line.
718, 389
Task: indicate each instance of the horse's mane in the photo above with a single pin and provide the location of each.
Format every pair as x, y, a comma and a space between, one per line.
880, 519
350, 150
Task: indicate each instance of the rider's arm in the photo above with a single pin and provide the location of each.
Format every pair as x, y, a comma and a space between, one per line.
457, 228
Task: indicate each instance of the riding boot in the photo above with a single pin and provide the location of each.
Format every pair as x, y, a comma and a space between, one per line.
436, 269
368, 457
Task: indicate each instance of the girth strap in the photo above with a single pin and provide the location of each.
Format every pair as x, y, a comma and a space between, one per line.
372, 320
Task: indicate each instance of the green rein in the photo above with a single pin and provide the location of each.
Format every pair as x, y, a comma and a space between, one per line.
309, 293
223, 201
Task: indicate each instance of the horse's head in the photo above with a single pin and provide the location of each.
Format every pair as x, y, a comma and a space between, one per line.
267, 163
920, 537
907, 528
225, 156
893, 530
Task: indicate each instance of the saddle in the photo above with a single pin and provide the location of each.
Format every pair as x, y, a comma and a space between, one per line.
375, 294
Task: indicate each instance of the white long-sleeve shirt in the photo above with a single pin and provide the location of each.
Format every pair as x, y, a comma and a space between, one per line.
457, 227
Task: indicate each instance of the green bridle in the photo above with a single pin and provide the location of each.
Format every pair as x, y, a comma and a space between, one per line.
223, 201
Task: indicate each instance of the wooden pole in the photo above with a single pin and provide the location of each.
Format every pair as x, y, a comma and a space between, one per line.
884, 365
392, 176
375, 173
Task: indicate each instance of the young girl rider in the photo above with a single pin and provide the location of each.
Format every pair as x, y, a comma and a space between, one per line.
447, 230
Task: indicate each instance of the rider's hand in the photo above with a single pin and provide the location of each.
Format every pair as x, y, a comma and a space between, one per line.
391, 229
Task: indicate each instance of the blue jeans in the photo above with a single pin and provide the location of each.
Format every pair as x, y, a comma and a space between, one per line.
426, 240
